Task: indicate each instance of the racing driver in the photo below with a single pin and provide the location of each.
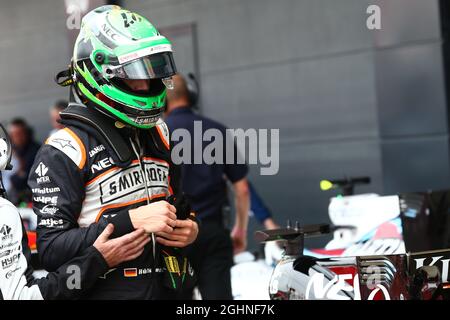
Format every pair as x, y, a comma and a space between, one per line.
111, 162
71, 279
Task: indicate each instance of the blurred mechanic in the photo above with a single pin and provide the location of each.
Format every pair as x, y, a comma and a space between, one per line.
24, 151
111, 163
260, 211
205, 186
54, 111
71, 279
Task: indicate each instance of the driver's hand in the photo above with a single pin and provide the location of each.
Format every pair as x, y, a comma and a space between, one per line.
155, 217
124, 248
184, 233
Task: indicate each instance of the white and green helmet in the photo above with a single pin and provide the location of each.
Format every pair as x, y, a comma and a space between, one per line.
114, 48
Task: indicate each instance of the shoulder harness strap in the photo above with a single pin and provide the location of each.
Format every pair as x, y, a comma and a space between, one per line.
101, 127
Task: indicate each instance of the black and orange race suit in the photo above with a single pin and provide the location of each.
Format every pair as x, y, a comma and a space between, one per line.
78, 189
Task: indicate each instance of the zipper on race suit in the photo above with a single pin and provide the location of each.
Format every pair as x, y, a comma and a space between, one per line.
139, 155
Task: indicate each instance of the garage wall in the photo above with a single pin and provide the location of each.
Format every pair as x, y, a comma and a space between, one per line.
412, 101
33, 47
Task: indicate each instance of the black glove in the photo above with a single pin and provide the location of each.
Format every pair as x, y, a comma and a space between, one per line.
179, 274
182, 205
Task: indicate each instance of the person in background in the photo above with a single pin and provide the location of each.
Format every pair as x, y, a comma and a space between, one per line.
260, 211
273, 250
24, 151
205, 187
54, 111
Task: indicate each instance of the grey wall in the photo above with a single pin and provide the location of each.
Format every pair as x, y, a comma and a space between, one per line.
412, 103
340, 94
33, 47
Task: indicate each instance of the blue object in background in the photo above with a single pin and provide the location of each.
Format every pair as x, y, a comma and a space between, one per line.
257, 206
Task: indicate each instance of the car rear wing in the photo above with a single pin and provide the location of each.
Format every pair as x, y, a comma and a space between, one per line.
293, 237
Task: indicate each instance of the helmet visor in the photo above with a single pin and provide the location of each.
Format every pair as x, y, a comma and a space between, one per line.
156, 66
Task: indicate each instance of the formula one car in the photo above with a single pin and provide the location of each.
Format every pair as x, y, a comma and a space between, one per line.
408, 276
366, 224
367, 257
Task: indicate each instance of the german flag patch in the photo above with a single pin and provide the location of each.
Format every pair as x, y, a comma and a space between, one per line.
130, 272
